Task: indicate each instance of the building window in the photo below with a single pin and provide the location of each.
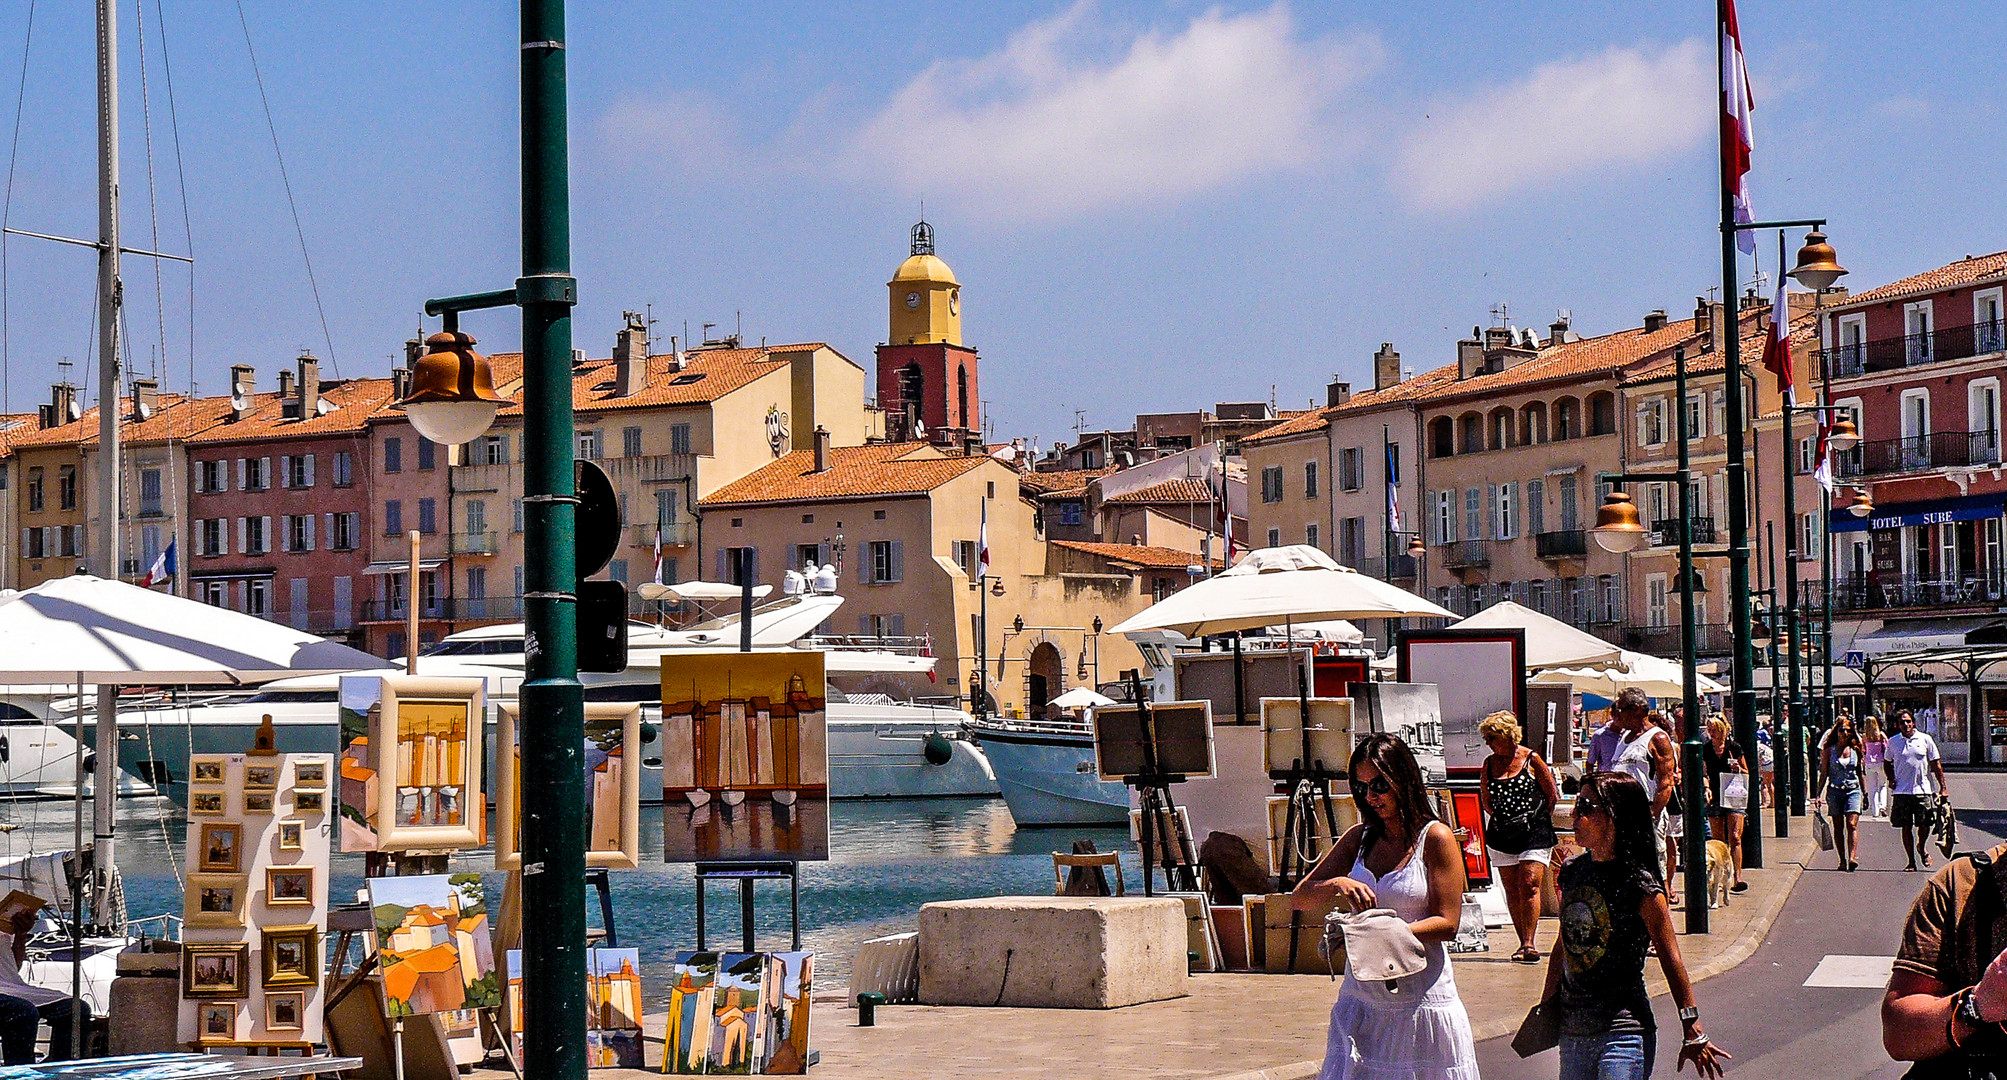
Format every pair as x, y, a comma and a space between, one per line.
477, 517
1309, 479
1310, 535
679, 438
35, 488
1271, 484
209, 536
299, 532
344, 468
393, 455
428, 515
428, 590
215, 593
588, 445
1508, 499
882, 626
1613, 598
300, 471
257, 474
66, 487
211, 476
964, 555
516, 517
1696, 417
1445, 516
1570, 512
37, 546
1655, 601
616, 570
393, 517
1473, 513
666, 507
343, 529
149, 492
495, 450
630, 442
1350, 474
257, 598
255, 540
1352, 541
882, 562
1275, 538
1536, 507
1652, 422
477, 591
1070, 513
1808, 537
428, 454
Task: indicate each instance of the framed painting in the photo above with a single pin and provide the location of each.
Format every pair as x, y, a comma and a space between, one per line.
312, 775
258, 802
286, 1012
310, 802
215, 970
261, 776
745, 756
1476, 673
612, 786
206, 802
292, 835
433, 943
206, 769
216, 1022
292, 956
289, 885
422, 777
216, 900
220, 847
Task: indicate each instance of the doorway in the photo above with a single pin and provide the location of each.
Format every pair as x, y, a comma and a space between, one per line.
1047, 678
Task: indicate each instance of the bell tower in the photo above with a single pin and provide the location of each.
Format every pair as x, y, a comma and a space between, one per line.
926, 376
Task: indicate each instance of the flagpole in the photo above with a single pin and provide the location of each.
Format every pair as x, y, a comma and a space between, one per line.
1743, 671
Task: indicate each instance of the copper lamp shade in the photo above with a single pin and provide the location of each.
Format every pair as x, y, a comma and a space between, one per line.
1617, 526
1817, 267
452, 398
1843, 435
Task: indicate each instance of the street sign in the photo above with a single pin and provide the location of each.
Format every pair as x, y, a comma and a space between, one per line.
598, 520
602, 626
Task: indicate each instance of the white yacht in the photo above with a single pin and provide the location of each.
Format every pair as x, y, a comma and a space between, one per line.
38, 756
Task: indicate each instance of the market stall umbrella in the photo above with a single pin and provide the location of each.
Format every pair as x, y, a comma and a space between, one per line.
1338, 630
1550, 643
1282, 585
1656, 676
1081, 697
99, 632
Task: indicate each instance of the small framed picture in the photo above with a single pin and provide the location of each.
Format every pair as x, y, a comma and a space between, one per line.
261, 776
289, 885
206, 770
216, 1021
215, 900
205, 802
285, 1012
215, 971
258, 802
310, 774
221, 848
292, 835
292, 956
309, 802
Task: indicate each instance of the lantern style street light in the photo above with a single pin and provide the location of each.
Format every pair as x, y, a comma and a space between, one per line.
452, 400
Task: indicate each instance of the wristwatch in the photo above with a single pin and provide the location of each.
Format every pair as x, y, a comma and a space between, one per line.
1968, 1010
1689, 1014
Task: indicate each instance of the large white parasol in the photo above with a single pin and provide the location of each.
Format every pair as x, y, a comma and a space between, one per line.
1656, 676
1082, 697
1550, 643
1281, 585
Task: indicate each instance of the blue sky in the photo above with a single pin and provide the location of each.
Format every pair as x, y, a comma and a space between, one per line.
1151, 207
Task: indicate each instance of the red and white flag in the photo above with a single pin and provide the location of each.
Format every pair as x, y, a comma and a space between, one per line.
1777, 350
983, 546
1736, 137
658, 551
1822, 470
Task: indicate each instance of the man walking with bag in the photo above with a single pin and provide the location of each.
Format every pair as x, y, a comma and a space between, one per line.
1916, 773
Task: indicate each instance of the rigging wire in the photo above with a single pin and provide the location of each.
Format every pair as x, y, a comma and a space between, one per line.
152, 194
180, 182
13, 154
298, 230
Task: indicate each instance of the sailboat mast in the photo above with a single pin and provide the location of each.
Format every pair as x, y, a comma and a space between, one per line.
110, 466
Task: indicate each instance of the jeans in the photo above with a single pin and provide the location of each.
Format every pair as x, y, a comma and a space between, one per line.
1613, 1056
18, 1020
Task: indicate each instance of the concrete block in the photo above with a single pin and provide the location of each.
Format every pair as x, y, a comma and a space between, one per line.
144, 1011
889, 966
1056, 952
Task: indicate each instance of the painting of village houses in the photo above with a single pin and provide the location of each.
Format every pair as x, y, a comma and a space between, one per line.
745, 761
714, 1011
613, 1000
605, 771
360, 696
433, 940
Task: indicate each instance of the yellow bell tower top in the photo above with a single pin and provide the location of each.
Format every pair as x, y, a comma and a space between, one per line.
926, 298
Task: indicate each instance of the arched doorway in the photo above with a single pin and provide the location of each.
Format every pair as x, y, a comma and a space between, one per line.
1047, 679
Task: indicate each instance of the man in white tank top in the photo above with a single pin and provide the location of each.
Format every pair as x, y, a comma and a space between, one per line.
1632, 746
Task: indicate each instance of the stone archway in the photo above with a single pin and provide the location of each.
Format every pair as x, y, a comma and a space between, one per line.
1046, 678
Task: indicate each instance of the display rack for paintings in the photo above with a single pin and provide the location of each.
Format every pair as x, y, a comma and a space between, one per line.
1307, 743
256, 895
1150, 747
612, 786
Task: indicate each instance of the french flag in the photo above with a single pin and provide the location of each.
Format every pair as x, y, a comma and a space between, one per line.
1736, 138
162, 570
1777, 349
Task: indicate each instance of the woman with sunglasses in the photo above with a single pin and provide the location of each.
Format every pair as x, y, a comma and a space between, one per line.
1401, 857
1613, 907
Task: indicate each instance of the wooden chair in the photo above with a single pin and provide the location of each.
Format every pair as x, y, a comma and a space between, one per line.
1062, 862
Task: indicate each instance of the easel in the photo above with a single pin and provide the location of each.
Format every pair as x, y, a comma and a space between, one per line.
745, 872
1309, 782
1154, 790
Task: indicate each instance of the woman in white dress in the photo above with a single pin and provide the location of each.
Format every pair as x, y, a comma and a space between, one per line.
1401, 857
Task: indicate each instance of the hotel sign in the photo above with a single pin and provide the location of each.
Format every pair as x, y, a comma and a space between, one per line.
1931, 512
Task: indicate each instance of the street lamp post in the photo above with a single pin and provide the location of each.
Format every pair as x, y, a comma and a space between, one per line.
1618, 530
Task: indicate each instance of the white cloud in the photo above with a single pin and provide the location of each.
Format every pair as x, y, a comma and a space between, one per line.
1042, 131
1618, 109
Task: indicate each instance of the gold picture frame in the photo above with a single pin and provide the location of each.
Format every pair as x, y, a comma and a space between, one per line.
425, 747
216, 900
215, 1022
310, 774
206, 802
208, 769
258, 802
310, 802
291, 955
286, 1012
220, 847
289, 886
261, 776
599, 716
292, 835
210, 970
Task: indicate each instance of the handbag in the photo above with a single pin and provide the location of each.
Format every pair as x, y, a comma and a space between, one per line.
1822, 830
1735, 791
1946, 827
1541, 1030
1379, 945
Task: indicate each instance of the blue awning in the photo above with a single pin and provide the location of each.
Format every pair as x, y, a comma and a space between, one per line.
1927, 512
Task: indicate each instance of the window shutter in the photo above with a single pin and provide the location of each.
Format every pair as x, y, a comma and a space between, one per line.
265, 527
897, 624
724, 564
243, 529
1491, 509
286, 470
897, 562
27, 544
265, 466
310, 470
793, 557
243, 472
309, 519
864, 564
330, 530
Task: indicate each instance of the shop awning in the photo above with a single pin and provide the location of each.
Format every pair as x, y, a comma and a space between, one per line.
1919, 635
1925, 512
402, 566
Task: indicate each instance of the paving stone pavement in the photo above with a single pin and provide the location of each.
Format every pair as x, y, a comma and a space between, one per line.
1231, 1026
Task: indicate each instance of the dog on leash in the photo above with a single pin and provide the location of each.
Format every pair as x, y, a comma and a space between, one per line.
1720, 873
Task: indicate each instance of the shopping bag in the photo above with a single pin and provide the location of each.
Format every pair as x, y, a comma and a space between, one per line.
1735, 791
1946, 828
1822, 830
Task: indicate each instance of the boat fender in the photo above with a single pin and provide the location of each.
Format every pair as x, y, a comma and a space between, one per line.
647, 734
938, 750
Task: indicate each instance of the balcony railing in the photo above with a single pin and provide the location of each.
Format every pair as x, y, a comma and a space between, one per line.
1466, 553
1915, 350
395, 611
653, 469
1399, 568
1879, 593
1665, 640
1920, 453
1665, 532
675, 534
473, 542
1566, 544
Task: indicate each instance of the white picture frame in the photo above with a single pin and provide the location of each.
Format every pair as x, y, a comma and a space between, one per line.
626, 853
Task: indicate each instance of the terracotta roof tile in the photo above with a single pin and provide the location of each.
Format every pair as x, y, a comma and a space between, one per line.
1315, 420
1755, 335
1062, 493
879, 470
1142, 555
1175, 490
1948, 276
1034, 483
176, 418
706, 376
1365, 401
354, 402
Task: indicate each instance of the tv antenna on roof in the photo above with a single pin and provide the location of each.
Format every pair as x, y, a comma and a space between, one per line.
1500, 312
64, 365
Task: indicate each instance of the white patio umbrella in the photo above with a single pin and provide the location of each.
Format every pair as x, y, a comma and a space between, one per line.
1338, 630
1282, 585
1082, 697
1550, 643
1656, 676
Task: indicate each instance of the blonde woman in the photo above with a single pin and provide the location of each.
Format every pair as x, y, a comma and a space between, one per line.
1874, 751
1517, 794
1723, 755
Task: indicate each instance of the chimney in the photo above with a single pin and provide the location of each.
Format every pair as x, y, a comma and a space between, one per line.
243, 383
400, 383
285, 383
1386, 366
413, 349
1470, 355
310, 386
1557, 331
821, 448
1703, 316
630, 356
1337, 393
145, 398
1499, 337
675, 353
1656, 321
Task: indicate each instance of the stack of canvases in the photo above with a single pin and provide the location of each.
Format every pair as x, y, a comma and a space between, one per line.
739, 1013
257, 882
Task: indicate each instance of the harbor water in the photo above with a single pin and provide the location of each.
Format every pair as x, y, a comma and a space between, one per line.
887, 857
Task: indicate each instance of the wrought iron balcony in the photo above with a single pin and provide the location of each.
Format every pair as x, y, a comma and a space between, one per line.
1872, 592
1920, 453
1915, 350
1565, 544
674, 534
472, 542
1399, 568
1665, 531
1708, 638
1466, 553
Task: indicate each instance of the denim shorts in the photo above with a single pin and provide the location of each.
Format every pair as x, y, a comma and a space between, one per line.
1612, 1056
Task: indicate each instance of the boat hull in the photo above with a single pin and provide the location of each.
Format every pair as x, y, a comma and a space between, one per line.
1048, 779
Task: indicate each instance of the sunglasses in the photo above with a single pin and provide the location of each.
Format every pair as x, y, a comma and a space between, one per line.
1378, 786
1587, 806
